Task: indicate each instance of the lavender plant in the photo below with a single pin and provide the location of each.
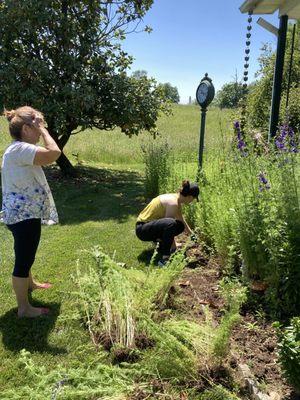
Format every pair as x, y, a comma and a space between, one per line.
250, 211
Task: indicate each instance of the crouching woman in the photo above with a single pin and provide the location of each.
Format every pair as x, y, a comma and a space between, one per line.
162, 220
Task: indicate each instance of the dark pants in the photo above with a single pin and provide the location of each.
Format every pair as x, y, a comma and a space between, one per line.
163, 230
27, 236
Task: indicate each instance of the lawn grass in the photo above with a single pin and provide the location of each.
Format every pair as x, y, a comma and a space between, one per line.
99, 208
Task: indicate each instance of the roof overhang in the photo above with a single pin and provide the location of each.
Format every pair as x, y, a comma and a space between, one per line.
285, 7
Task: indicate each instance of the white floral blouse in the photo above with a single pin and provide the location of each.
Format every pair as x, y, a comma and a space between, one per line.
25, 190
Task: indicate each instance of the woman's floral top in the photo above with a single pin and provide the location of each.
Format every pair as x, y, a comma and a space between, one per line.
25, 190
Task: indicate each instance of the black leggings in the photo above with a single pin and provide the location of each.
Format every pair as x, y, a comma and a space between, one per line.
27, 236
164, 230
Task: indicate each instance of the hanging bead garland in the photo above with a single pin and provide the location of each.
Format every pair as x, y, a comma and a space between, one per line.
247, 50
246, 72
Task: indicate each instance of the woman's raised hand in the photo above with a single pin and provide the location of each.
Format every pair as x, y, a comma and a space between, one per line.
38, 121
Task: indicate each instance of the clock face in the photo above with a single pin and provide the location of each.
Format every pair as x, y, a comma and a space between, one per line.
202, 93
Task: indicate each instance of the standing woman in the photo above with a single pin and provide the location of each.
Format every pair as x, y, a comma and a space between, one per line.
26, 197
162, 219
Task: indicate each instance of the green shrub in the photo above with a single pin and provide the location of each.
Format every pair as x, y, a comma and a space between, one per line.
292, 113
289, 351
284, 292
250, 211
156, 157
259, 98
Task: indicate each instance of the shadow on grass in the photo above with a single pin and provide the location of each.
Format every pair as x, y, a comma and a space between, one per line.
96, 194
145, 256
29, 333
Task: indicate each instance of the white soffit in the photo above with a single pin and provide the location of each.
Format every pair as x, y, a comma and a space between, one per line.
285, 7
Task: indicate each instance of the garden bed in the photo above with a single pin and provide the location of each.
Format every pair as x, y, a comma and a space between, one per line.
253, 340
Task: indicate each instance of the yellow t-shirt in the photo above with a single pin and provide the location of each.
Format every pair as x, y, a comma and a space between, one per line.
154, 210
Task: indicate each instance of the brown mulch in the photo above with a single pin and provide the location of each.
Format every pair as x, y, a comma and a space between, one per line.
253, 340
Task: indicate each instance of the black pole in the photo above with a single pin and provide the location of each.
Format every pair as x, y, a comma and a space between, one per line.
290, 67
276, 93
202, 130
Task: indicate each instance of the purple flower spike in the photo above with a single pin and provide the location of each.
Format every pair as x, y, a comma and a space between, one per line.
263, 182
262, 178
286, 140
241, 145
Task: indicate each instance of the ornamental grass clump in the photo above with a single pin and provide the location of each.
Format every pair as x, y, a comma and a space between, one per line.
128, 304
115, 302
124, 305
106, 301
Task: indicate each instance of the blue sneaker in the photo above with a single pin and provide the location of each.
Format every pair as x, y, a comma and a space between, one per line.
162, 262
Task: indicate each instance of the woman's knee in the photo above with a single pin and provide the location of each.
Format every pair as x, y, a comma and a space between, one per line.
24, 259
21, 270
179, 227
175, 225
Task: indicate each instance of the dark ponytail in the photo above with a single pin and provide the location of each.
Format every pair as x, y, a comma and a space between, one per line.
185, 188
189, 189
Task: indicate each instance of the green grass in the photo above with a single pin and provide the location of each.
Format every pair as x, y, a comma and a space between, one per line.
100, 208
181, 130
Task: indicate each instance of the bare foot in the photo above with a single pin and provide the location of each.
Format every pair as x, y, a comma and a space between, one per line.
32, 312
37, 285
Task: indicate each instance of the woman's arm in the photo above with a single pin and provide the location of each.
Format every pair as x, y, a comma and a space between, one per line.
49, 153
186, 225
174, 211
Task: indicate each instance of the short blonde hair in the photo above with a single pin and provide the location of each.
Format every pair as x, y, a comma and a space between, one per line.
19, 117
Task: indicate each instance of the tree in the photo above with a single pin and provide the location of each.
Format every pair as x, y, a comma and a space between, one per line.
140, 73
170, 92
230, 95
259, 98
65, 58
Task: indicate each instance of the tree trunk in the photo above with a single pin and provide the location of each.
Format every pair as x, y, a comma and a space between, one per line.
65, 165
63, 162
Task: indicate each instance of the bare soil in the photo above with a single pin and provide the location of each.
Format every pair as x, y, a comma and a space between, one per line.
253, 340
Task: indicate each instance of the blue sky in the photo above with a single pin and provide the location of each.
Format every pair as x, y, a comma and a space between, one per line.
192, 37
